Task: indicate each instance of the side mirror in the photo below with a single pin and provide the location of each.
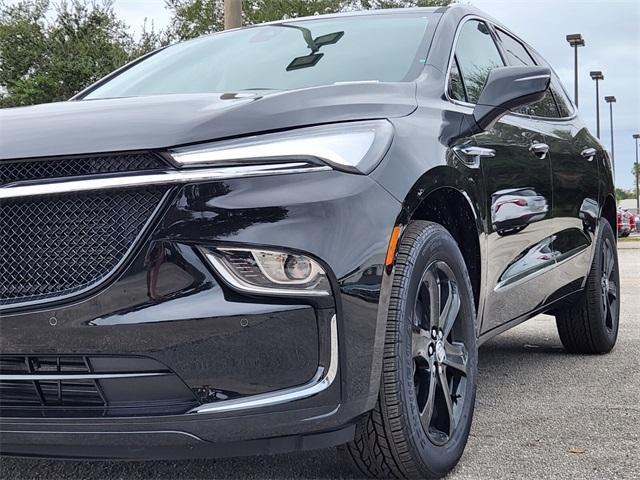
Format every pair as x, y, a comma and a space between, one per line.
508, 88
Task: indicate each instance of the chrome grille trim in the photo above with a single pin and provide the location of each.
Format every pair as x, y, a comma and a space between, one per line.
167, 177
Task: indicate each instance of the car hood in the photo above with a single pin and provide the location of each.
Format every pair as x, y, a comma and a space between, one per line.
158, 122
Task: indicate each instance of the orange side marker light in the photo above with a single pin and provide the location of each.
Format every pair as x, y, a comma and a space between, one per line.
393, 243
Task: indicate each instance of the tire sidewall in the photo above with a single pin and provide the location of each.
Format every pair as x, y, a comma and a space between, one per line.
435, 244
607, 337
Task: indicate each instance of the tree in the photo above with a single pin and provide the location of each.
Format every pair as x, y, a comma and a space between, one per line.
192, 18
49, 53
624, 194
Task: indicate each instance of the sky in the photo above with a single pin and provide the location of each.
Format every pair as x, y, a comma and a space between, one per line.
611, 29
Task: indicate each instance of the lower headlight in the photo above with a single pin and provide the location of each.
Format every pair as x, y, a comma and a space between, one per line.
268, 271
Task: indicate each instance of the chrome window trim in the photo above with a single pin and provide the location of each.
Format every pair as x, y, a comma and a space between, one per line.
321, 381
77, 376
34, 188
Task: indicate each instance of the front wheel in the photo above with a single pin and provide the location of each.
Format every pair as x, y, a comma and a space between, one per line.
422, 418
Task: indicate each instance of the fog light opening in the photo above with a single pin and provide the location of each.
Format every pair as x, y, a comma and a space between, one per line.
268, 271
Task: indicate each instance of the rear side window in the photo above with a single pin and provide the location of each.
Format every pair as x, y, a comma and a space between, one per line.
544, 108
562, 100
563, 104
518, 55
476, 54
516, 52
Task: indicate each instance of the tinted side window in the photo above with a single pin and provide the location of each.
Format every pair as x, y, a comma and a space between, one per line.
456, 87
563, 102
564, 105
477, 55
544, 108
517, 54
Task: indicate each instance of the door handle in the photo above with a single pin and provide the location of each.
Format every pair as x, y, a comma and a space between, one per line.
540, 150
471, 154
588, 153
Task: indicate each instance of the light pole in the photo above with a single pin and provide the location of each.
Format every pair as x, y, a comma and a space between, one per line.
232, 14
637, 136
575, 40
611, 100
597, 75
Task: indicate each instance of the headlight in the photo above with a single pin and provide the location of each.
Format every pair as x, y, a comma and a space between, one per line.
355, 147
268, 272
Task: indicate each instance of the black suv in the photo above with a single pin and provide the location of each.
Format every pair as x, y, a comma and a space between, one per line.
292, 236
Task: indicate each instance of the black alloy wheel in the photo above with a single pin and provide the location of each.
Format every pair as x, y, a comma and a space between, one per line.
421, 421
439, 353
609, 286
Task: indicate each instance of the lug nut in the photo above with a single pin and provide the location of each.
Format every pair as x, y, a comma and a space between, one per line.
434, 333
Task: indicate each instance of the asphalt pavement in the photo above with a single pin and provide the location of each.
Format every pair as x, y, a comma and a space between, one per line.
540, 413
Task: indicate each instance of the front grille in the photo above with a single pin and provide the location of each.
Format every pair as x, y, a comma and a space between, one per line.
21, 170
53, 246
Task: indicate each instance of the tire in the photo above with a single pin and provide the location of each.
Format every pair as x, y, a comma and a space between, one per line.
591, 325
395, 440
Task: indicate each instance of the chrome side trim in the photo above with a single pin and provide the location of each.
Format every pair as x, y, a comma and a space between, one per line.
322, 380
533, 77
168, 177
77, 376
237, 283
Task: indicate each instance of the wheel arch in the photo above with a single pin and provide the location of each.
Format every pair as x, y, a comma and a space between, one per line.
608, 212
447, 197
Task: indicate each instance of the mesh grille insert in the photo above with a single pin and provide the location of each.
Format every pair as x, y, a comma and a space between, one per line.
20, 170
53, 246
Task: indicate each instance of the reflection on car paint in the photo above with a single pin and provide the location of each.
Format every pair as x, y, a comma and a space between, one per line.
550, 251
515, 208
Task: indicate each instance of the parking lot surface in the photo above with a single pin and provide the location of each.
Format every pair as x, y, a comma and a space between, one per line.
540, 413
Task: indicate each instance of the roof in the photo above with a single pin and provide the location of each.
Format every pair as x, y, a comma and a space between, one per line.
354, 13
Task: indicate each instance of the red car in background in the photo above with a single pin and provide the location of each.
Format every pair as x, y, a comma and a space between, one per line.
626, 223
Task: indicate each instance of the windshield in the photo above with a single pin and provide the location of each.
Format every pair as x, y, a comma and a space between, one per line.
385, 48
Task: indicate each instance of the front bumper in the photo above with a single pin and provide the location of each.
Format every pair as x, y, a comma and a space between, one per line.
243, 359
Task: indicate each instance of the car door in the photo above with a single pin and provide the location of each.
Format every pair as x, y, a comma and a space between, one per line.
576, 158
516, 170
